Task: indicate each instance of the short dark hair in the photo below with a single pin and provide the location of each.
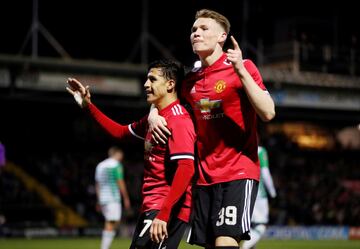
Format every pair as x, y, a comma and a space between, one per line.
172, 70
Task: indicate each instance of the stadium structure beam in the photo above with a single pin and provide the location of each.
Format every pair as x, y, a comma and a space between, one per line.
146, 38
36, 28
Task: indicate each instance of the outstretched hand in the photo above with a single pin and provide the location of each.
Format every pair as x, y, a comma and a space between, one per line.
235, 55
81, 94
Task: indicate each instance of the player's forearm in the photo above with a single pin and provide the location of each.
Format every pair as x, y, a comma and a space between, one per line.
259, 99
153, 114
110, 126
157, 125
123, 190
268, 181
181, 181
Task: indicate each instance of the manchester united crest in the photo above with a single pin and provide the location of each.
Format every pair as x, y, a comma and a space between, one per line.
220, 86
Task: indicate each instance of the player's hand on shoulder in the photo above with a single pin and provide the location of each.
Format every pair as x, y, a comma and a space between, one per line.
157, 127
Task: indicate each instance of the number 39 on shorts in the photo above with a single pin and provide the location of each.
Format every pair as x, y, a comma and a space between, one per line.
227, 215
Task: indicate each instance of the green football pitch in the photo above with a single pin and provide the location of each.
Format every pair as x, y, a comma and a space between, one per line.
94, 243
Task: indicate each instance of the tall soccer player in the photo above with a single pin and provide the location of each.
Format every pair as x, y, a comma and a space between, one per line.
226, 95
168, 168
110, 188
260, 216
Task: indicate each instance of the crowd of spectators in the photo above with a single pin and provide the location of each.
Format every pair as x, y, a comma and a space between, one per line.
314, 187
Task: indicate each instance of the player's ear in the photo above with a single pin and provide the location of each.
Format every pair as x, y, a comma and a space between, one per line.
223, 37
170, 85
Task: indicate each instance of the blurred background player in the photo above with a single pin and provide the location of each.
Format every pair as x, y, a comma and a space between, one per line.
260, 216
110, 189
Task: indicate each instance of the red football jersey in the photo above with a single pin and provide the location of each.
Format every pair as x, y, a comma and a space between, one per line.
225, 121
160, 160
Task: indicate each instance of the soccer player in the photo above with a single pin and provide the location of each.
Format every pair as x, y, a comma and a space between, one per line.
260, 216
226, 95
168, 168
110, 184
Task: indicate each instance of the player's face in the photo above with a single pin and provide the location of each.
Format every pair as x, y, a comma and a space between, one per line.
119, 156
206, 34
156, 86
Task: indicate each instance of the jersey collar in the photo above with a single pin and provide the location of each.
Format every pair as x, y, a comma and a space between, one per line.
168, 108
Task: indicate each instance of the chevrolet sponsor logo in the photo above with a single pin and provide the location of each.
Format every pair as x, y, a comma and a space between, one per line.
205, 105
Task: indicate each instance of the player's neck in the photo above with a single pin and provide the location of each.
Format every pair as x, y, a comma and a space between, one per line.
165, 101
209, 59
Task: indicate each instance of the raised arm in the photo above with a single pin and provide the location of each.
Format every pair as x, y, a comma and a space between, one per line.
259, 99
82, 97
